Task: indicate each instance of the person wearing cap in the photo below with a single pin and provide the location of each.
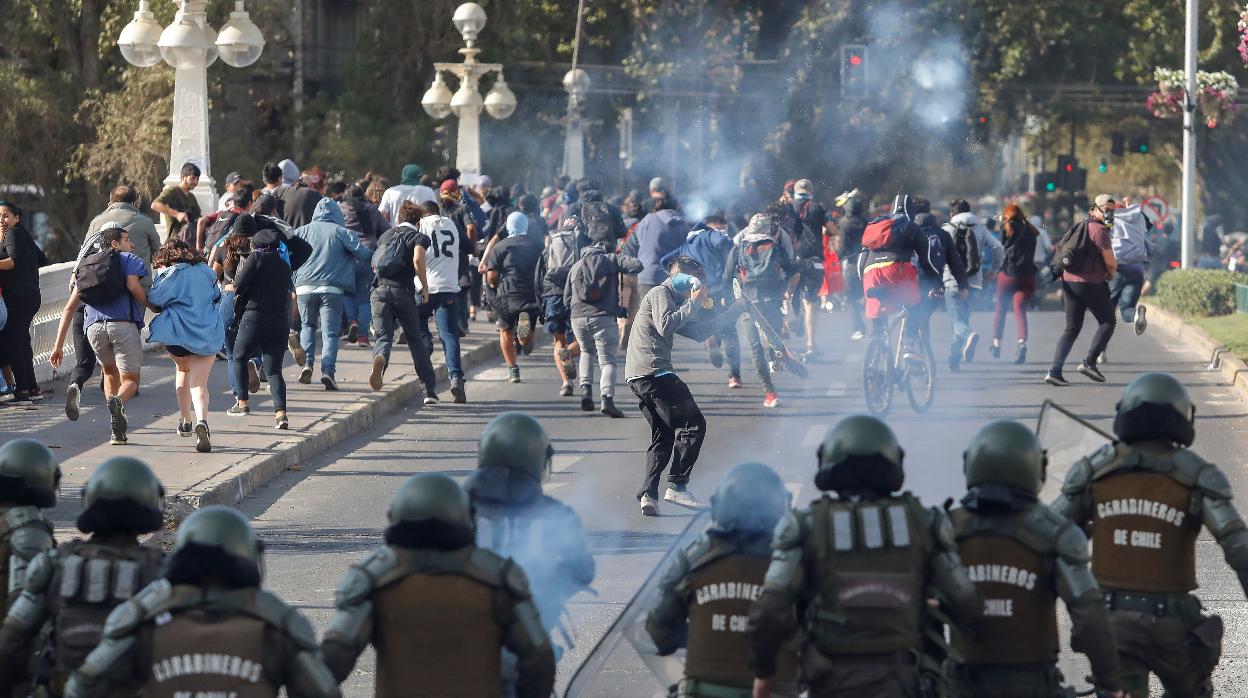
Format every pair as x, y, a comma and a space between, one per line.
409, 188
231, 182
658, 189
813, 228
112, 325
1085, 287
511, 270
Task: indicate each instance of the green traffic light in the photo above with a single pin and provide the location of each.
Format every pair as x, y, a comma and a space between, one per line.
1103, 168
1143, 147
1051, 186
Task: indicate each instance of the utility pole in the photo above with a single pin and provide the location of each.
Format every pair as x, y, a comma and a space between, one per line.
1189, 138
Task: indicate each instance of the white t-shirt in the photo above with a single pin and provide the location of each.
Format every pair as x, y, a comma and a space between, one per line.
394, 197
440, 238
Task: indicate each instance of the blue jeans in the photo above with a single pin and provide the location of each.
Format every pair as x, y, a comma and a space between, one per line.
960, 318
357, 305
321, 311
4, 318
444, 307
1125, 289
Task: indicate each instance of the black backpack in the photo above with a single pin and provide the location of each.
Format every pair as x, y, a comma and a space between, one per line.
967, 247
596, 221
1072, 252
810, 232
100, 278
594, 276
219, 230
392, 260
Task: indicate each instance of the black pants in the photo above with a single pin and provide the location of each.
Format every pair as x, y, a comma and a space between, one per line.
677, 429
1079, 298
395, 305
15, 348
84, 366
264, 334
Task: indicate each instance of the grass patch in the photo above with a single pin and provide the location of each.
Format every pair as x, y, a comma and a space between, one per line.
1229, 330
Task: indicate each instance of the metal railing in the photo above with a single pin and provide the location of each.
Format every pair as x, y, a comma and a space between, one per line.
54, 288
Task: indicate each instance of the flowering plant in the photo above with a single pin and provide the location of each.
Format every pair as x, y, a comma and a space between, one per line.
1243, 34
1215, 93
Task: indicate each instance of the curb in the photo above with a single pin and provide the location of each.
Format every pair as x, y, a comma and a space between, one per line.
1233, 369
231, 485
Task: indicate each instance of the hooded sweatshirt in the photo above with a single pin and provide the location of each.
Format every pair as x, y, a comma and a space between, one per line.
334, 248
990, 250
657, 234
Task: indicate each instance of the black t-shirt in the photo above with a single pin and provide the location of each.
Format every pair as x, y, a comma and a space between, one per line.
23, 278
812, 217
516, 260
299, 204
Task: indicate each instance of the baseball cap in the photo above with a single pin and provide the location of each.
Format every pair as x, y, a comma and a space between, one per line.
112, 225
233, 178
803, 186
1103, 200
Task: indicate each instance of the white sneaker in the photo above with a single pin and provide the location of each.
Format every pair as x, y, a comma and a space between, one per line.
649, 505
1141, 321
682, 498
858, 335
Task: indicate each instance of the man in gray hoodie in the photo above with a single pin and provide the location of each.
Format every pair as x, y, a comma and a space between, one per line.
677, 426
322, 282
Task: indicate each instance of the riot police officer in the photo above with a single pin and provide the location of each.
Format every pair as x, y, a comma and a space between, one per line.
1022, 555
854, 572
437, 608
29, 480
206, 628
1144, 500
707, 592
74, 587
516, 520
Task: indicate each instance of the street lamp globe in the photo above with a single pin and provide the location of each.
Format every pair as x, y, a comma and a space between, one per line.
500, 103
467, 101
437, 99
240, 42
188, 44
576, 82
469, 19
139, 38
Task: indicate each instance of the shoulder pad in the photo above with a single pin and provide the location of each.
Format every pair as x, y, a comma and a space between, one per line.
486, 566
271, 609
790, 530
1071, 544
354, 588
29, 540
124, 619
1212, 482
1080, 475
40, 570
942, 528
515, 580
698, 552
17, 517
379, 567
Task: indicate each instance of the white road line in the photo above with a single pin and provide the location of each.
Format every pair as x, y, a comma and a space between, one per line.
853, 357
836, 389
814, 435
561, 463
497, 373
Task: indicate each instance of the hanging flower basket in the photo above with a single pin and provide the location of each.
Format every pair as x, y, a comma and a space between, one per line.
1243, 35
1215, 95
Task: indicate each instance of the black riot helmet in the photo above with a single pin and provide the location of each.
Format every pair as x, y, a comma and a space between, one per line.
860, 455
430, 510
29, 474
216, 546
122, 495
1005, 453
750, 497
1156, 406
513, 460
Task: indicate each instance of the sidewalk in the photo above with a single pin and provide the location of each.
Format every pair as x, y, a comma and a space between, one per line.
246, 452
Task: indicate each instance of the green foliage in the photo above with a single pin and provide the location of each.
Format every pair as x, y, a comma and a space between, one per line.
1199, 292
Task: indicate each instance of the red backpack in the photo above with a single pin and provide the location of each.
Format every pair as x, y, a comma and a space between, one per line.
879, 232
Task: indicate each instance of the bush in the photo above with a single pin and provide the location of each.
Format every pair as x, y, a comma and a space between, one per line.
1199, 292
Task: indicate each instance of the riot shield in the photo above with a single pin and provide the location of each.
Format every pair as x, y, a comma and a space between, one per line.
625, 662
1066, 438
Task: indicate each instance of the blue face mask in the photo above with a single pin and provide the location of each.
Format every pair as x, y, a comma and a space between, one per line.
683, 282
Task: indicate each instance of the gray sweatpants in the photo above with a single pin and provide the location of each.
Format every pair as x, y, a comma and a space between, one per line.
597, 336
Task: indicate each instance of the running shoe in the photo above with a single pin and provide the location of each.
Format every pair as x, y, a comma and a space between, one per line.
72, 395
682, 497
117, 421
858, 335
1141, 319
203, 442
523, 328
329, 382
305, 375
968, 347
1020, 357
296, 351
353, 333
253, 378
995, 350
430, 400
281, 421
379, 367
513, 374
734, 382
649, 505
457, 391
716, 355
1090, 371
185, 429
771, 400
1056, 379
565, 390
239, 410
609, 408
587, 398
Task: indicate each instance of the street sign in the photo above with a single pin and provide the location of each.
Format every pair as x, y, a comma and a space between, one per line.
1157, 209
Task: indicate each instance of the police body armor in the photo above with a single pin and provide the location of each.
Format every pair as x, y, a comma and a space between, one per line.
1010, 560
867, 561
24, 533
1142, 534
90, 580
722, 582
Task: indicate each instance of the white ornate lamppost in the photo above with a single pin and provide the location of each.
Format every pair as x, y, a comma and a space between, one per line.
576, 82
466, 102
190, 45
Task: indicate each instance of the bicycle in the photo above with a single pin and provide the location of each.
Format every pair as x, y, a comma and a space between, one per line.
890, 362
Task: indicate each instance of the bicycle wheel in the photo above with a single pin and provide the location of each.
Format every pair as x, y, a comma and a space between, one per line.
920, 378
877, 379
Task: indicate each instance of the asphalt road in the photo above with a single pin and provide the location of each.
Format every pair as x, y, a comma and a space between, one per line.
321, 518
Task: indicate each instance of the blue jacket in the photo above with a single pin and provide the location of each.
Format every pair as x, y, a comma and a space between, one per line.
711, 248
187, 295
657, 234
334, 249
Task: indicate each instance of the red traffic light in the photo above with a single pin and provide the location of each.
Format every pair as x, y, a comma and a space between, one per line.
983, 119
1070, 168
855, 60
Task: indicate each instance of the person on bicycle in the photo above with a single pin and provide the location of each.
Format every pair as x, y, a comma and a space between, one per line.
766, 271
890, 277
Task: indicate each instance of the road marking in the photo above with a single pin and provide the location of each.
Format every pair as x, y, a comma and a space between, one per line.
561, 463
814, 435
853, 357
497, 373
836, 389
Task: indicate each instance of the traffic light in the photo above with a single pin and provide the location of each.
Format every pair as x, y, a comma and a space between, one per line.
1139, 144
1050, 181
1118, 144
1103, 166
854, 71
